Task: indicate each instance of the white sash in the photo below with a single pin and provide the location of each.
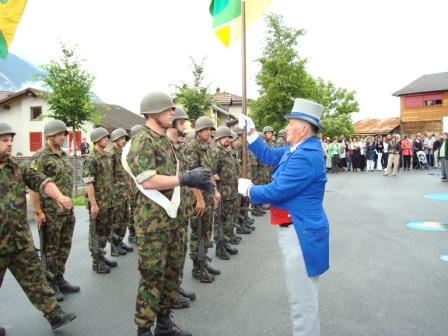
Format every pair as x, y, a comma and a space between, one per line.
170, 206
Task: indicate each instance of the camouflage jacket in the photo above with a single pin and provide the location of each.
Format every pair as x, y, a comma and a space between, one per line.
152, 154
227, 168
14, 230
121, 178
97, 169
198, 154
251, 163
188, 201
56, 165
281, 143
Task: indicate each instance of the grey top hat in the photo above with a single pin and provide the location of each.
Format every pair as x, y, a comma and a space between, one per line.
308, 111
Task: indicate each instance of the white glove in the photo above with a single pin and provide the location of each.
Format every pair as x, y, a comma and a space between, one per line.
245, 121
244, 186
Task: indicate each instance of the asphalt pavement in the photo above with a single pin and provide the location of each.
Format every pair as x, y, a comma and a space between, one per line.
385, 278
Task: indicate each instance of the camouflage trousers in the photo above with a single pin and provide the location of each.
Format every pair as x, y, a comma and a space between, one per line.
158, 264
59, 240
132, 207
183, 248
207, 227
25, 266
230, 209
120, 218
103, 229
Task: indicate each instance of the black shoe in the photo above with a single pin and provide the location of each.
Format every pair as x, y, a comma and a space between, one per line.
126, 247
166, 327
61, 319
109, 262
243, 229
187, 293
231, 250
132, 238
212, 270
181, 302
57, 291
100, 267
2, 331
65, 286
221, 253
204, 276
144, 331
235, 240
117, 250
249, 226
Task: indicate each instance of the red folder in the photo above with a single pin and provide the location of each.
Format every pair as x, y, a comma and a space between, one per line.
280, 216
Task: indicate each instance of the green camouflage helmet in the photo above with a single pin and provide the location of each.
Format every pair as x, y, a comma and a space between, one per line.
156, 102
222, 131
268, 129
54, 127
135, 129
204, 122
238, 131
98, 133
6, 129
282, 133
179, 113
118, 133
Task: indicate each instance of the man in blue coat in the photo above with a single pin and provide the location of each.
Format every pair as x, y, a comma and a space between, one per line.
298, 186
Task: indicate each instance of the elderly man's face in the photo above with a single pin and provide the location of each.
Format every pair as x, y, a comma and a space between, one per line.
296, 130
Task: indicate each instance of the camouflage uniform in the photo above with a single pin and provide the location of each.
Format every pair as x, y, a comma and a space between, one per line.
157, 237
120, 194
226, 166
60, 223
98, 170
198, 154
281, 143
17, 252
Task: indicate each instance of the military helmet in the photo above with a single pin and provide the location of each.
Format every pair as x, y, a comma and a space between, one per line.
268, 129
179, 113
6, 129
135, 129
98, 133
282, 132
234, 135
238, 131
54, 127
222, 132
204, 122
118, 133
156, 102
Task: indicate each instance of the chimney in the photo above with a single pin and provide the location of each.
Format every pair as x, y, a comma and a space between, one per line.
218, 90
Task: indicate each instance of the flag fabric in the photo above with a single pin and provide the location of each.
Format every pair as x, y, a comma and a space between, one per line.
227, 17
10, 13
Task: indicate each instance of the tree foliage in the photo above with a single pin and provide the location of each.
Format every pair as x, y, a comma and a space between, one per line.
196, 99
283, 77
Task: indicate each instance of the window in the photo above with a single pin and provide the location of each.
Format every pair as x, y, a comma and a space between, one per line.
36, 112
422, 100
431, 102
35, 141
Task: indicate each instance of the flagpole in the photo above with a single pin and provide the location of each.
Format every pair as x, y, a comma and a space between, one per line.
244, 75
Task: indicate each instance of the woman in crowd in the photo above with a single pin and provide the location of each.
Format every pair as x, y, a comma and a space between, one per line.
406, 151
356, 154
334, 150
379, 150
394, 156
370, 154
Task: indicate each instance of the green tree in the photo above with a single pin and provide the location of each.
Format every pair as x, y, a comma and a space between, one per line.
196, 99
70, 94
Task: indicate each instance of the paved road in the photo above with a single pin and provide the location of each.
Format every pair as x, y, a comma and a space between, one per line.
385, 278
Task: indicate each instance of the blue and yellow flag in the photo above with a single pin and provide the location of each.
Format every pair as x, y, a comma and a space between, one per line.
10, 13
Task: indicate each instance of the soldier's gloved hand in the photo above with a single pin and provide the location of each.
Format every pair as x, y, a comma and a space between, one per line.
245, 121
199, 178
244, 186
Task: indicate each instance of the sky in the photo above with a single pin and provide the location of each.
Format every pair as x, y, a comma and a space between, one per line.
137, 46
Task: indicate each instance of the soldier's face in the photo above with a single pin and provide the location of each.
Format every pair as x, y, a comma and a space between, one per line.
103, 142
5, 147
180, 125
205, 134
225, 142
58, 139
121, 142
166, 118
268, 135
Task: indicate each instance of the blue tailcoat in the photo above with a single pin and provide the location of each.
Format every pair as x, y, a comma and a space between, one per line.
298, 185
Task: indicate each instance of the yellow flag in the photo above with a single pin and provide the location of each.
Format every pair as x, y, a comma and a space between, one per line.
10, 13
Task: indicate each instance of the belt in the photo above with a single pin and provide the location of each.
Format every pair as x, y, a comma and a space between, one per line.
285, 225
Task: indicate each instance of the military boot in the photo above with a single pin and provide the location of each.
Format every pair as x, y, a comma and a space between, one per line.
117, 250
248, 225
126, 247
187, 293
204, 276
100, 267
166, 327
257, 212
181, 302
65, 286
57, 291
212, 270
132, 238
221, 252
242, 229
231, 250
144, 331
108, 262
61, 319
234, 239
2, 331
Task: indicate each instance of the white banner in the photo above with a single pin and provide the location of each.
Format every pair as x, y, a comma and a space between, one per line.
445, 124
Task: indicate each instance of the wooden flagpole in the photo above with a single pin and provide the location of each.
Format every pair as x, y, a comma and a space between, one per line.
244, 75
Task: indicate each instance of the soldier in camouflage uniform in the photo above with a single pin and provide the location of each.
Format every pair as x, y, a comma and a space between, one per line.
98, 178
58, 224
199, 154
186, 209
121, 198
281, 141
133, 195
153, 164
17, 252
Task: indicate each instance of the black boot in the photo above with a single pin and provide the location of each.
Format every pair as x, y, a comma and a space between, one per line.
126, 247
2, 331
211, 270
221, 252
57, 291
234, 239
248, 225
204, 276
181, 302
61, 319
187, 293
117, 250
132, 238
100, 267
166, 327
231, 250
109, 262
242, 229
65, 286
144, 332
